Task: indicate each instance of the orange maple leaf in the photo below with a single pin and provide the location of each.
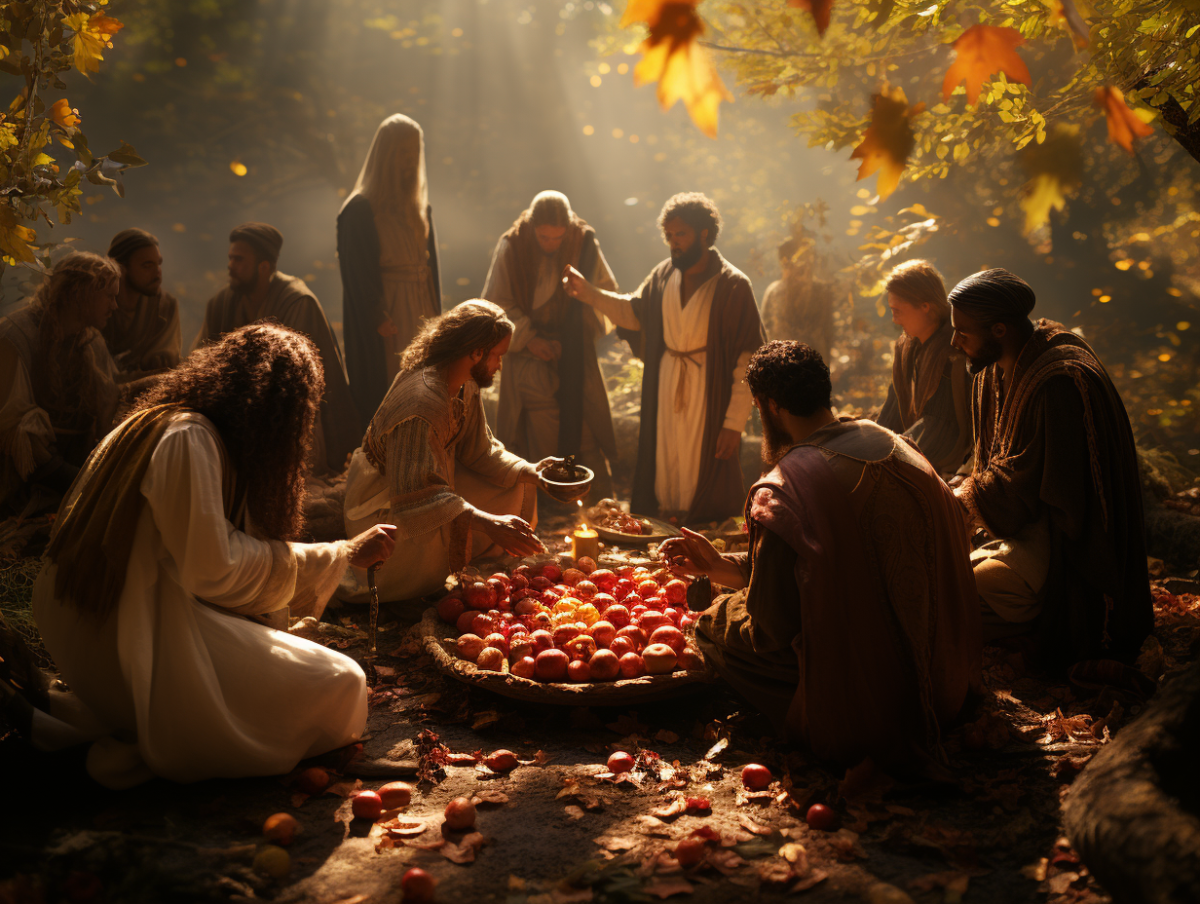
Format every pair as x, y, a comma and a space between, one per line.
820, 10
1123, 124
888, 140
63, 114
672, 57
980, 52
1071, 16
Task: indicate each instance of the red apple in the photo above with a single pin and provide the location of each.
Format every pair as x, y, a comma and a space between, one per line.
622, 588
542, 640
620, 762
603, 600
551, 665
690, 660
632, 666
635, 634
482, 624
460, 814
541, 583
582, 647
671, 636
585, 590
523, 668
552, 572
499, 641
527, 606
821, 818
479, 596
463, 624
638, 609
659, 658
395, 795
586, 564
604, 579
578, 672
756, 777
313, 780
605, 665
652, 620
449, 608
618, 615
622, 645
418, 887
572, 576
603, 632
564, 634
366, 805
491, 659
469, 646
517, 583
675, 590
647, 588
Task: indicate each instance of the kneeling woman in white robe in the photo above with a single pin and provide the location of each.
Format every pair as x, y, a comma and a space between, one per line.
148, 591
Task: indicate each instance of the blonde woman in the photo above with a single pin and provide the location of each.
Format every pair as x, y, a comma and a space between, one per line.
930, 396
388, 254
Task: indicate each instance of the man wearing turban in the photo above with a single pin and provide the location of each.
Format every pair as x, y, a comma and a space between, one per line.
1055, 481
143, 333
258, 291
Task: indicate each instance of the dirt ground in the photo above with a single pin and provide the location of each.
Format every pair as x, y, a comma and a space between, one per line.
556, 830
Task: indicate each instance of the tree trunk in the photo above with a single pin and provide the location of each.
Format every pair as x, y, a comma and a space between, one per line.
1188, 135
1132, 813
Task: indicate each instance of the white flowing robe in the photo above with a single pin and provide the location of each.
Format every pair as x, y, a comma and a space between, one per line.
179, 685
681, 412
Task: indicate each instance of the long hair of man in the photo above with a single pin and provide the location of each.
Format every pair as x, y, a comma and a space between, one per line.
260, 386
463, 329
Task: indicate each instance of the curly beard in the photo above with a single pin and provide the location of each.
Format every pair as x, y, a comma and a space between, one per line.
776, 441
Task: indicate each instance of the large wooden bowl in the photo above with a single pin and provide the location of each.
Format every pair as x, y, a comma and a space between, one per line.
439, 639
566, 490
661, 530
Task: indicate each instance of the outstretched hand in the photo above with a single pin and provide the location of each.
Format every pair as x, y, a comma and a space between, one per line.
694, 553
574, 283
373, 546
510, 533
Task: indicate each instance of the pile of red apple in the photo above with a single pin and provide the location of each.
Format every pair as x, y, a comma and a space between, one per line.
577, 624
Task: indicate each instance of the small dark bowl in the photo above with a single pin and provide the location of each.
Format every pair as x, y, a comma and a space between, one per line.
566, 487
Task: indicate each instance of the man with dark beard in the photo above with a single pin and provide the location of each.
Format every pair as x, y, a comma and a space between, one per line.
258, 291
182, 528
143, 333
1055, 481
694, 323
552, 396
853, 623
430, 465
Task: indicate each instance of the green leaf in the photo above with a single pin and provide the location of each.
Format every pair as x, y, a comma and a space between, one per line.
127, 155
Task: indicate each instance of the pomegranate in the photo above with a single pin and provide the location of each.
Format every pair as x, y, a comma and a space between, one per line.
585, 590
675, 591
604, 579
313, 780
675, 615
541, 583
523, 668
821, 818
542, 640
632, 666
647, 588
586, 564
756, 777
603, 632
578, 672
635, 634
690, 660
605, 665
671, 636
527, 606
418, 886
521, 571
688, 621
479, 596
366, 805
582, 647
482, 624
502, 578
395, 795
651, 620
540, 621
659, 658
449, 608
603, 600
552, 572
501, 761
564, 634
572, 576
460, 814
517, 583
617, 615
620, 762
551, 665
463, 624
622, 645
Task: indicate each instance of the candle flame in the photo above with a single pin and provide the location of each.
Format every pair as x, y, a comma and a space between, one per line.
585, 527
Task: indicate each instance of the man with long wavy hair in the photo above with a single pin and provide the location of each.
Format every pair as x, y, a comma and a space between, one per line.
430, 465
178, 540
57, 379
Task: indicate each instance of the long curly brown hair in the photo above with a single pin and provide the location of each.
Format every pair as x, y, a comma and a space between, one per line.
64, 375
260, 385
465, 328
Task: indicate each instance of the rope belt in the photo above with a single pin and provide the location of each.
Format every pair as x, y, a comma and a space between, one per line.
682, 382
406, 272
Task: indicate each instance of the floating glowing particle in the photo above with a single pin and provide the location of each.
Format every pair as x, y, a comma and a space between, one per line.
180, 62
463, 281
1174, 292
1123, 264
993, 221
238, 168
1183, 325
1143, 265
996, 211
179, 227
596, 81
604, 69
633, 139
623, 68
1097, 292
457, 33
1141, 237
631, 202
1105, 299
660, 157
589, 130
859, 211
618, 133
862, 193
1164, 357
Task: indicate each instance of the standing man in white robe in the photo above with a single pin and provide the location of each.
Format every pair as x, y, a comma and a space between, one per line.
177, 542
694, 324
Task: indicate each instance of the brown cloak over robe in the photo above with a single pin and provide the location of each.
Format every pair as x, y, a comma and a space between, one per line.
733, 327
930, 399
147, 338
1058, 444
858, 633
290, 303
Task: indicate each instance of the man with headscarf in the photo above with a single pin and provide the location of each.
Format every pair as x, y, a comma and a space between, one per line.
430, 465
694, 324
854, 624
387, 249
258, 291
552, 395
143, 333
1055, 481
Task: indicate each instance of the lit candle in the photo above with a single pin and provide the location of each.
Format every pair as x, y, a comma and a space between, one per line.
585, 542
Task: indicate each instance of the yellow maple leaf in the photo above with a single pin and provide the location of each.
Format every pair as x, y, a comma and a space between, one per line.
62, 113
15, 239
886, 144
92, 35
1123, 123
672, 57
979, 53
1043, 193
820, 10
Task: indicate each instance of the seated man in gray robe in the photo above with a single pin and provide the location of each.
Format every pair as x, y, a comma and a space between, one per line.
257, 291
143, 333
430, 465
